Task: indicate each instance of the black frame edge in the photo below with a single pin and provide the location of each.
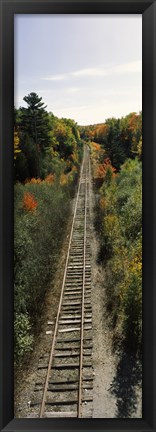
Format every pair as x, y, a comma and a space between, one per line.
148, 9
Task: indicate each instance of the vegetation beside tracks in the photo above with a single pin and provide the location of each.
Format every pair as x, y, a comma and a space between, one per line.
47, 156
118, 220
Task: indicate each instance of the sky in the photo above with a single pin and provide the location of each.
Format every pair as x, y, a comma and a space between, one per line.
85, 67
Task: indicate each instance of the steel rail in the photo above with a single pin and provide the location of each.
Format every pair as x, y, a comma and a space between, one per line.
60, 302
79, 411
89, 191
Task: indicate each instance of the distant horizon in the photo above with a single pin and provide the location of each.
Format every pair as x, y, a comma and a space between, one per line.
84, 125
85, 67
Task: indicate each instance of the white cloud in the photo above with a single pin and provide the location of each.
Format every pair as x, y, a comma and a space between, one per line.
88, 72
124, 68
54, 77
72, 90
132, 67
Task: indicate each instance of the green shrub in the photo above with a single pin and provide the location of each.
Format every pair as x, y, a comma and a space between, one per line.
38, 234
23, 340
121, 249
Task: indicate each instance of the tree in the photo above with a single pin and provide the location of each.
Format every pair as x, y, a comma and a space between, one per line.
34, 123
114, 145
17, 149
100, 133
135, 130
131, 132
64, 140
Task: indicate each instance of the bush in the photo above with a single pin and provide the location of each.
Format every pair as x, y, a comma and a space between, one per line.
23, 341
131, 295
121, 249
41, 215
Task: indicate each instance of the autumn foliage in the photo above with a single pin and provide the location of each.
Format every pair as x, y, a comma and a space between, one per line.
16, 144
33, 180
50, 179
118, 138
29, 202
46, 171
41, 214
103, 168
119, 223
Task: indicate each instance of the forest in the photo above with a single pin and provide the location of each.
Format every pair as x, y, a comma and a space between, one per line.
48, 153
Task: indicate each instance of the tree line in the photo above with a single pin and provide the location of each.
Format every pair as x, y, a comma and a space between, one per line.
116, 153
119, 138
42, 141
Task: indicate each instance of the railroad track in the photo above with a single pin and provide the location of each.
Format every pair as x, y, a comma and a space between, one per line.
68, 376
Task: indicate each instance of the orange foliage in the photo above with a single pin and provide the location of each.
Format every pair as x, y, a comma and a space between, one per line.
90, 134
29, 202
33, 181
50, 179
134, 122
96, 146
102, 169
100, 132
